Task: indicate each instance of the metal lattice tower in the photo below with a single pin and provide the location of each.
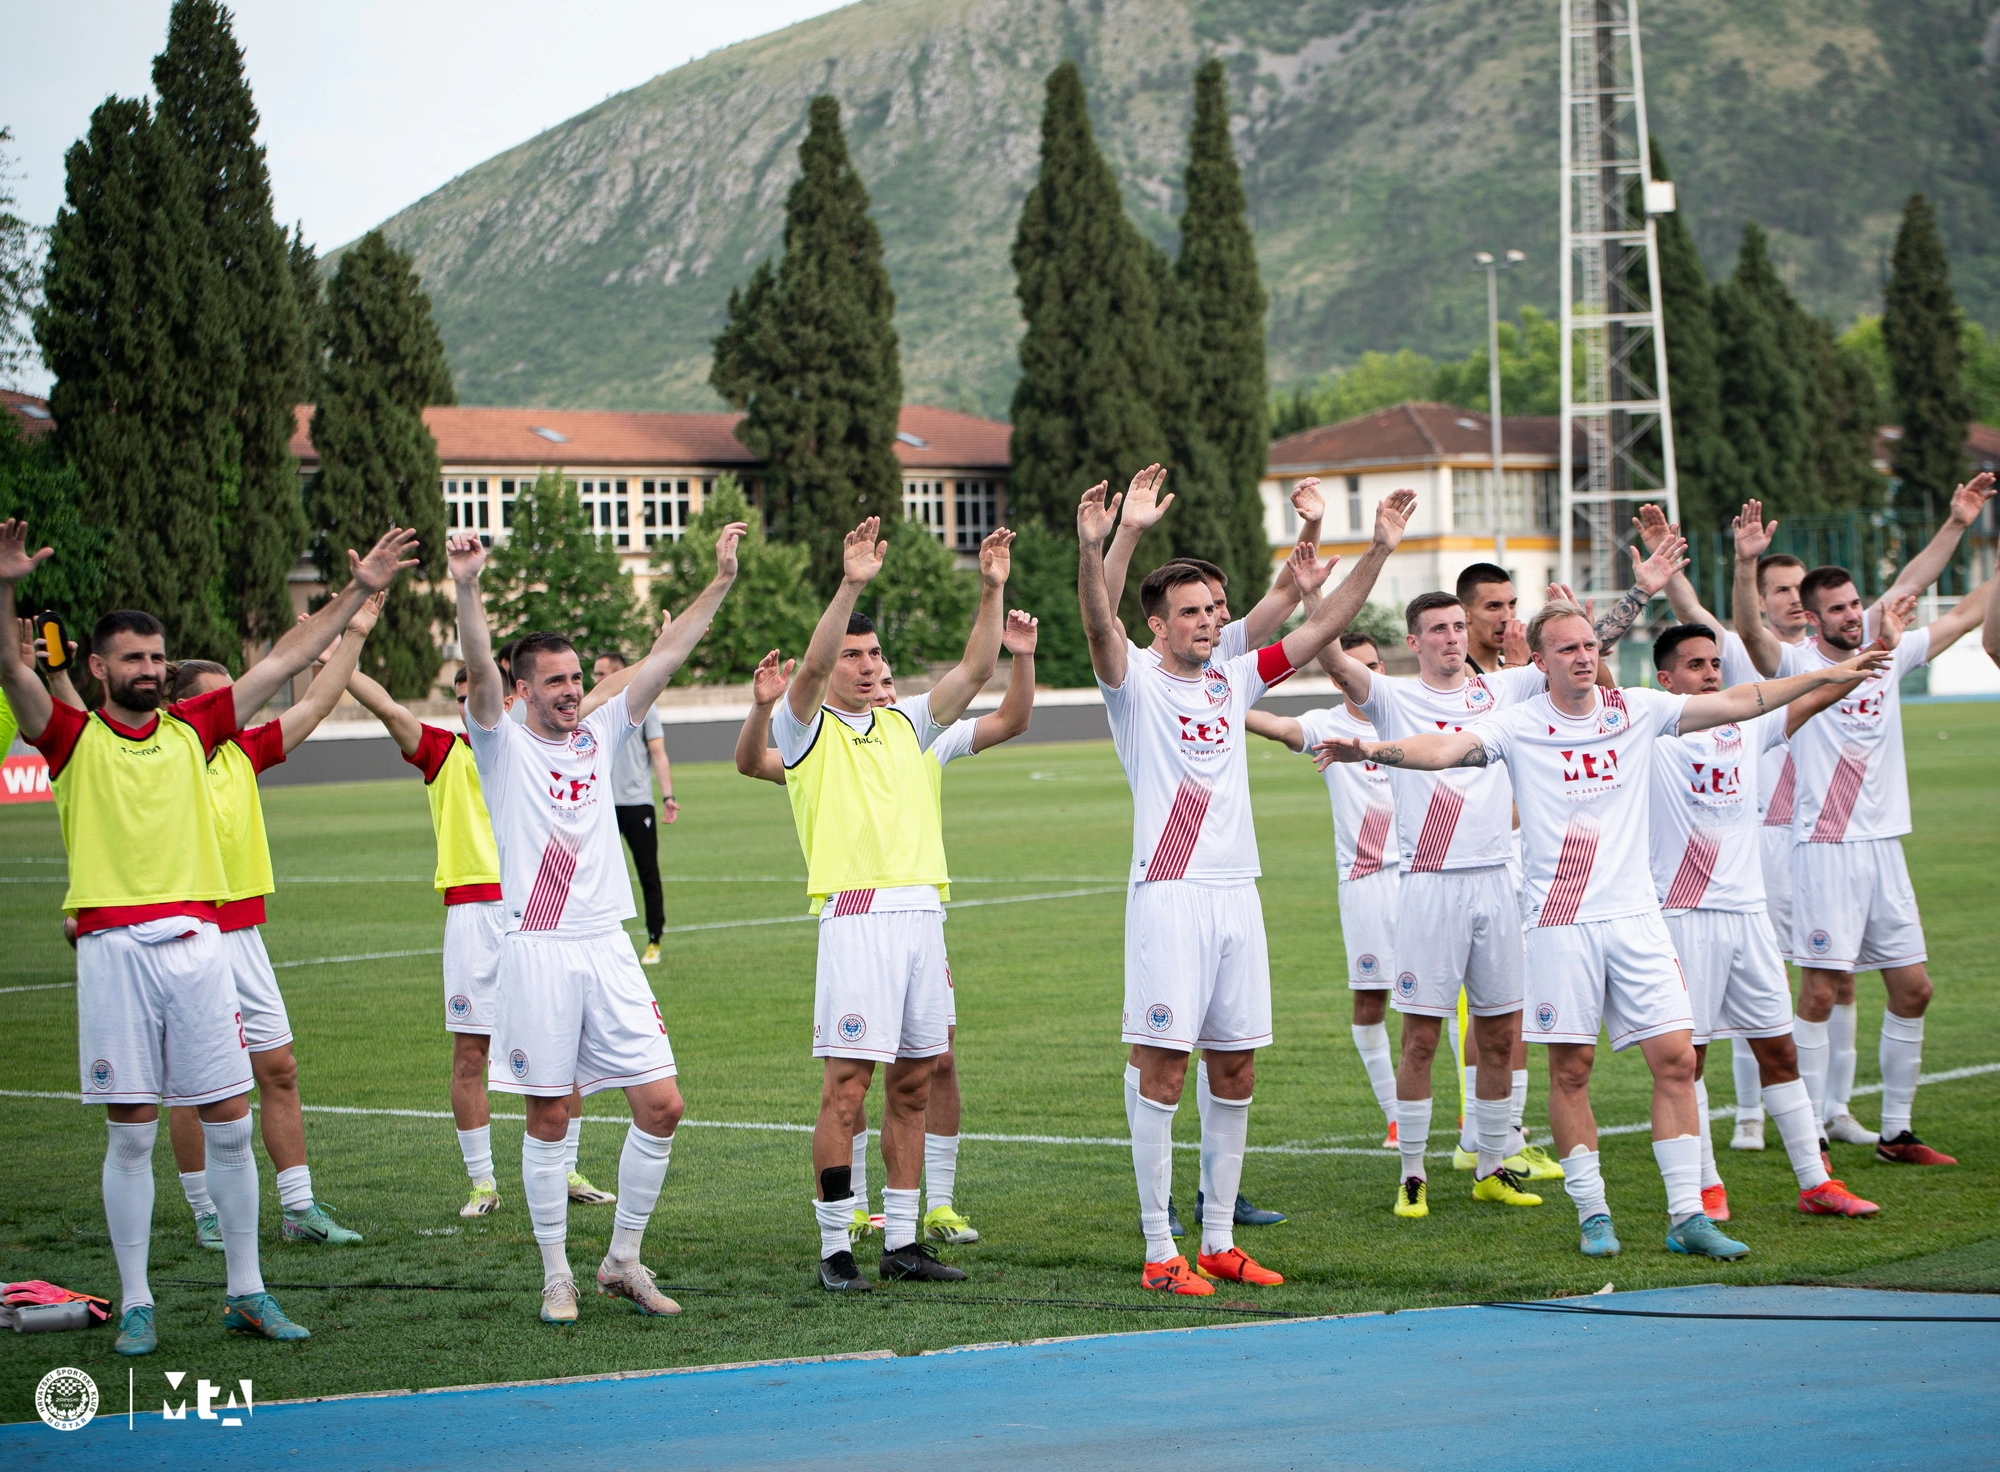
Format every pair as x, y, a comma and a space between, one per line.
1610, 293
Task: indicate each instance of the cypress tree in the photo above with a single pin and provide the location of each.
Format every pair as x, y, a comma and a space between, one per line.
133, 317
302, 261
1765, 414
206, 102
1849, 413
1704, 460
810, 354
1201, 523
1217, 268
19, 247
1920, 330
378, 465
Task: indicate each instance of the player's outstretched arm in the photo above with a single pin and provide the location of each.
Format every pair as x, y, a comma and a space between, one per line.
1337, 610
403, 727
1285, 730
613, 683
299, 719
1101, 629
860, 560
1746, 702
31, 702
1653, 527
1650, 577
1017, 707
677, 637
1271, 611
1436, 753
1929, 564
1753, 539
302, 643
1893, 617
1144, 508
755, 756
1961, 619
485, 699
952, 694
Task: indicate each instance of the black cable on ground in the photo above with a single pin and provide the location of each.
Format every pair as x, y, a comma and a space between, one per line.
1659, 1313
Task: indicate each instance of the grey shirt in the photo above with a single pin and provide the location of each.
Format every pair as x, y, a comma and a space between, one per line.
632, 768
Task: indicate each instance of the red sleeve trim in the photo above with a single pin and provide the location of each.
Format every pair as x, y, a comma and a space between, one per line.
471, 894
265, 746
59, 736
240, 914
213, 716
1272, 666
433, 746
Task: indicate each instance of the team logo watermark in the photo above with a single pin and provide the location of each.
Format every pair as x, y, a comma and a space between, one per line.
102, 1074
853, 1028
1368, 965
1545, 1016
205, 1409
66, 1399
460, 1006
1406, 985
1159, 1017
518, 1061
1820, 942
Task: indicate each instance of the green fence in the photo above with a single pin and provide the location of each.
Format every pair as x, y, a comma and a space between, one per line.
1873, 545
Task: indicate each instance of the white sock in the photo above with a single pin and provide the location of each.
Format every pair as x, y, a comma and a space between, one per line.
194, 1185
1371, 1041
572, 1142
1749, 1085
899, 1218
545, 1187
1517, 1107
642, 1170
940, 1169
1679, 1160
1710, 1176
1902, 1055
232, 1185
1224, 1132
1841, 1028
1153, 1165
1490, 1130
1791, 1110
1468, 1120
1202, 1099
861, 1169
1131, 1098
833, 1217
1413, 1135
295, 1188
1585, 1183
477, 1148
1810, 1039
128, 1205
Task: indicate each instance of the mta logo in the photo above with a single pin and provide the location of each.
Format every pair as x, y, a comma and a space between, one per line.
1591, 766
460, 1005
1712, 780
1368, 965
1204, 736
102, 1074
1406, 985
518, 1061
1545, 1016
1820, 942
572, 790
1159, 1017
853, 1028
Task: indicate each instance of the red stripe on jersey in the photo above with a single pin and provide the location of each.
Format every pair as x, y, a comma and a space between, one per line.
1368, 843
853, 901
1177, 838
1440, 822
551, 890
1573, 865
1778, 813
1697, 868
1841, 794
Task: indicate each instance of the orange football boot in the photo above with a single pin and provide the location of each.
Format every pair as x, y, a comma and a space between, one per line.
1235, 1266
1173, 1276
1832, 1198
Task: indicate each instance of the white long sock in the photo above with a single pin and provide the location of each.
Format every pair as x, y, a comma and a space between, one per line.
1224, 1132
128, 1205
295, 1188
899, 1218
1841, 1028
232, 1185
860, 1167
1791, 1110
1902, 1057
1679, 1160
1153, 1165
1585, 1183
1131, 1098
1371, 1041
1413, 1135
1710, 1176
642, 1171
1468, 1121
833, 1217
940, 1169
477, 1148
194, 1186
1517, 1110
1490, 1131
1749, 1080
545, 1187
1202, 1099
1810, 1040
572, 1142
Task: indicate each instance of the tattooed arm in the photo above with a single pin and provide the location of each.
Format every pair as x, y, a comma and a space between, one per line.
1413, 753
1649, 578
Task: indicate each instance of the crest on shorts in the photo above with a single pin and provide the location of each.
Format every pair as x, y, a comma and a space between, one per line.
102, 1074
518, 1061
1368, 965
1159, 1017
1545, 1016
1406, 985
582, 742
1820, 942
460, 1005
853, 1028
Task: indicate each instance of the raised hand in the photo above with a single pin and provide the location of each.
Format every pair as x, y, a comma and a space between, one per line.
1870, 661
1514, 642
388, 557
860, 555
1340, 749
1971, 498
1892, 618
1753, 534
725, 549
996, 557
1143, 506
1307, 501
464, 557
1651, 524
770, 679
1022, 630
364, 617
1095, 515
1669, 557
1392, 518
1307, 570
16, 561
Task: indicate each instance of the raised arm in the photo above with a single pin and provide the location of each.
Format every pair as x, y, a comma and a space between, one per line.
1753, 538
663, 773
1653, 527
1285, 730
1961, 618
860, 560
755, 756
952, 694
300, 718
403, 728
1928, 565
1271, 611
1650, 577
1017, 707
1746, 702
1144, 507
1436, 753
25, 693
678, 637
1101, 629
303, 642
1337, 609
485, 700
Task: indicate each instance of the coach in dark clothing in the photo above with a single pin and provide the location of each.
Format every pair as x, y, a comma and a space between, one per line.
632, 773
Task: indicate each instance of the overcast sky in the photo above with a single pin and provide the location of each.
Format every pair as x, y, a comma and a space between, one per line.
369, 104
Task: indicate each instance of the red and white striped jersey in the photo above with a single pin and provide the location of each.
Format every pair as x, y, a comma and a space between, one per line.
1851, 784
1364, 812
1705, 849
562, 865
1181, 743
1583, 785
1462, 819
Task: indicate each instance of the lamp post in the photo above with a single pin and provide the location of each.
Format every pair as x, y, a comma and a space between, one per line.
1494, 501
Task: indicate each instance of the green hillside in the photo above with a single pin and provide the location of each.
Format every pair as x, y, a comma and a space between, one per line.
1383, 141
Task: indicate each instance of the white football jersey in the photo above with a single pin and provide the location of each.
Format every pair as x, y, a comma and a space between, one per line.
1232, 643
1181, 743
1461, 819
1582, 785
1850, 782
562, 863
1364, 812
954, 741
1774, 762
1706, 853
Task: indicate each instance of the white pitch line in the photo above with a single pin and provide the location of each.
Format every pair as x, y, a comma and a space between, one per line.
45, 986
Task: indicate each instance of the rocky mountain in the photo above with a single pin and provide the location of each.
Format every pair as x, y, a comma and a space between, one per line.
1383, 142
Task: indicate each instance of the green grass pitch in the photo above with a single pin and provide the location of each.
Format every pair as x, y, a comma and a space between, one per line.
431, 1300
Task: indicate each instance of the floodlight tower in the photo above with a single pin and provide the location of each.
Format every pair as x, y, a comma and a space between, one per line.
1610, 291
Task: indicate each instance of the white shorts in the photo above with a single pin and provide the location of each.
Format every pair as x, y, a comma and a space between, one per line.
1458, 928
1853, 908
1777, 865
474, 935
1197, 973
1736, 980
1368, 926
265, 1024
156, 1016
1619, 974
575, 1011
883, 987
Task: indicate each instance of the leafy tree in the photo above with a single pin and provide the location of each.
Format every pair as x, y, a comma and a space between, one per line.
1530, 370
1850, 412
206, 102
20, 261
555, 574
132, 320
1376, 382
303, 263
378, 465
810, 355
37, 486
1982, 373
922, 602
770, 606
1704, 459
1921, 334
1042, 582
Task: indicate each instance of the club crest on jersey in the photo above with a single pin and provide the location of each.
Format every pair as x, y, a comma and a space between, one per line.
1406, 985
1368, 965
1159, 1017
1477, 696
1819, 942
582, 741
1545, 1016
460, 1006
1217, 687
102, 1074
853, 1027
518, 1061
